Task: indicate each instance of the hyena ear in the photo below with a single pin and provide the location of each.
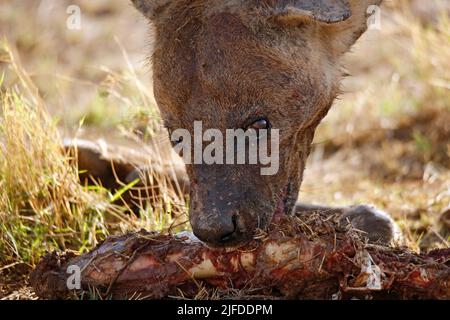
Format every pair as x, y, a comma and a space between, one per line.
342, 21
150, 8
321, 11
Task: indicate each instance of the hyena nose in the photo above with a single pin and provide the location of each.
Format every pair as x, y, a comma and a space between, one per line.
219, 230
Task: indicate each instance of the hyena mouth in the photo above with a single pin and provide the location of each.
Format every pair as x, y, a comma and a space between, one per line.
281, 207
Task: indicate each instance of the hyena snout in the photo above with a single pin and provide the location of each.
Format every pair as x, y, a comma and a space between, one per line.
218, 215
216, 229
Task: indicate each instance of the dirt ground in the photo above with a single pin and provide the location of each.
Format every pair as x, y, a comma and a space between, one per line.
386, 141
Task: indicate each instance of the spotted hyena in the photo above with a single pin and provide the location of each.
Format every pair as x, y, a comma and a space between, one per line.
261, 65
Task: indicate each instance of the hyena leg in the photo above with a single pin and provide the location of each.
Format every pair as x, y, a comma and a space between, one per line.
378, 226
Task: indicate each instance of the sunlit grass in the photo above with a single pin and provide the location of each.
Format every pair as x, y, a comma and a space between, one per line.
43, 206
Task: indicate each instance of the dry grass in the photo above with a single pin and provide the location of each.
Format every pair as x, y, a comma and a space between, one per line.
386, 142
43, 206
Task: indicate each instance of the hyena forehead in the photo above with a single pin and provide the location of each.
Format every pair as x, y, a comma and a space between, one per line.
330, 25
313, 35
324, 12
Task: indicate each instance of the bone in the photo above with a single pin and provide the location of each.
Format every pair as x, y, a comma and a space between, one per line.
289, 261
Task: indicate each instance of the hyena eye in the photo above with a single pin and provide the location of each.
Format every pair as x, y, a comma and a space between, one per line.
259, 124
175, 140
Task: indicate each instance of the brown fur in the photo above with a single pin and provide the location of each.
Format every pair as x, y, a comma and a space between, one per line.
228, 62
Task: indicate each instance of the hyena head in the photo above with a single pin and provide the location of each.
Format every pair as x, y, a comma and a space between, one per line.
249, 64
